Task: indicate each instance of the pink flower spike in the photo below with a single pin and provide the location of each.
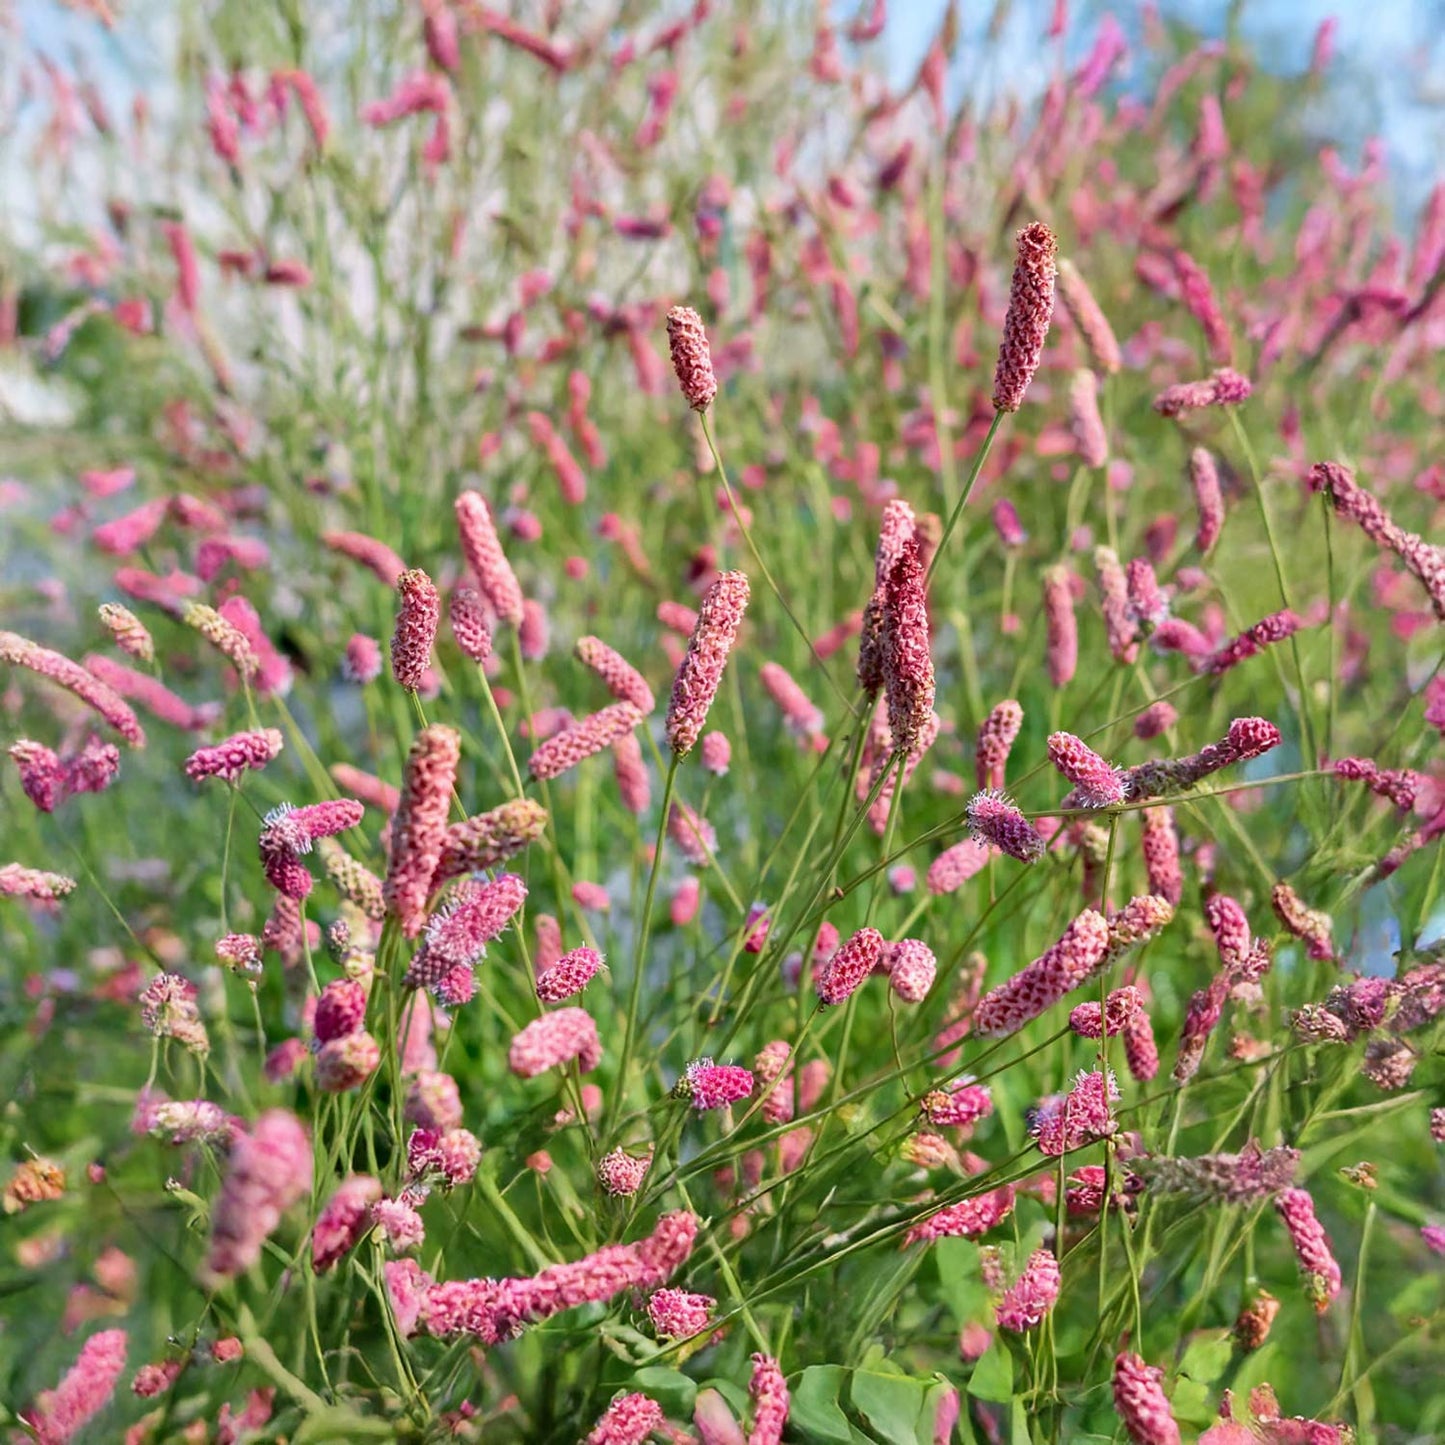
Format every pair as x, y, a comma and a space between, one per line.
994, 820
1097, 784
768, 1391
416, 627
715, 1086
1081, 1116
691, 357
628, 1420
996, 736
618, 675
912, 968
555, 1040
1141, 1404
569, 975
419, 827
845, 972
699, 676
483, 550
564, 750
1032, 1295
59, 1415
907, 665
1224, 387
1030, 309
1311, 1245
678, 1315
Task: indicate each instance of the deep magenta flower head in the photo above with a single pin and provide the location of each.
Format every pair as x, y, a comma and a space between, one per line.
1030, 309
553, 1041
715, 1086
907, 663
691, 357
678, 1315
1141, 1403
483, 550
699, 676
343, 1221
417, 619
844, 973
569, 975
993, 819
340, 1010
1032, 1295
419, 828
1097, 784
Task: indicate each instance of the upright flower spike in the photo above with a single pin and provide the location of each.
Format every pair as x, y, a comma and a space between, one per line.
416, 627
1311, 1246
1088, 318
996, 736
467, 614
419, 828
844, 973
768, 1391
1120, 627
1061, 628
59, 1415
1208, 499
1030, 309
896, 528
907, 663
483, 551
1141, 1403
699, 676
1032, 1295
691, 357
1091, 440
618, 675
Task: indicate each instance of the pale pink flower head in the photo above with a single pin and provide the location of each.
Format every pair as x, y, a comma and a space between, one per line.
419, 827
618, 675
1089, 320
700, 674
483, 550
716, 753
1090, 1021
1030, 309
956, 865
843, 974
994, 820
715, 1086
361, 663
569, 975
1224, 387
555, 1040
691, 357
564, 750
1141, 1404
1097, 784
343, 1220
347, 1062
907, 665
1311, 1245
912, 968
128, 631
468, 617
416, 627
768, 1391
59, 1415
1061, 626
996, 736
621, 1174
1079, 1117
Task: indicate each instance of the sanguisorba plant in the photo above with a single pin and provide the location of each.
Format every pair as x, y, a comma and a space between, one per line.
708, 747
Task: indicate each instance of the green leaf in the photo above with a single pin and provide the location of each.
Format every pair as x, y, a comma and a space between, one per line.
993, 1375
337, 1423
1207, 1355
673, 1390
893, 1406
814, 1412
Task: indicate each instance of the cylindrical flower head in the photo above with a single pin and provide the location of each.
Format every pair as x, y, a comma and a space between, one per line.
1208, 498
844, 973
1224, 387
1307, 924
224, 636
1205, 1010
375, 556
569, 975
1141, 1053
268, 1171
468, 617
128, 631
1057, 971
967, 1219
1097, 784
896, 528
1030, 308
907, 662
1090, 1021
553, 1041
717, 754
1093, 326
59, 1415
1032, 1295
483, 550
714, 1086
678, 1315
1062, 630
1120, 628
1157, 718
347, 1063
996, 736
1311, 1246
487, 839
416, 627
564, 750
618, 675
1091, 441
959, 1106
1160, 846
344, 1219
628, 1420
1141, 1404
768, 1391
340, 1010
700, 674
419, 827
911, 969
458, 935
100, 696
621, 1174
956, 865
994, 820
629, 771
801, 714
1265, 633
691, 357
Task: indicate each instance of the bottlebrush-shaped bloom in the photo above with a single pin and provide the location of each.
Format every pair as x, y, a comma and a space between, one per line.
1097, 784
995, 821
621, 1174
628, 1420
419, 827
1032, 1295
1078, 1117
678, 1315
1091, 440
42, 775
343, 1220
1061, 627
996, 736
691, 357
553, 1041
59, 1415
700, 674
1089, 320
269, 1170
1141, 1052
487, 839
1223, 387
457, 937
91, 690
569, 975
1039, 985
1311, 1246
1275, 628
1030, 309
417, 618
956, 865
468, 617
340, 1010
895, 530
717, 753
907, 664
1230, 927
967, 1219
618, 675
911, 969
1399, 785
376, 556
282, 843
1205, 1010
958, 1106
1140, 918
714, 1086
483, 550
128, 631
1247, 738
695, 837
361, 663
629, 772
801, 714
1208, 498
564, 750
1090, 1021
768, 1392
1160, 847
448, 1156
1141, 1404
1148, 604
843, 974
1120, 626
17, 881
353, 880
